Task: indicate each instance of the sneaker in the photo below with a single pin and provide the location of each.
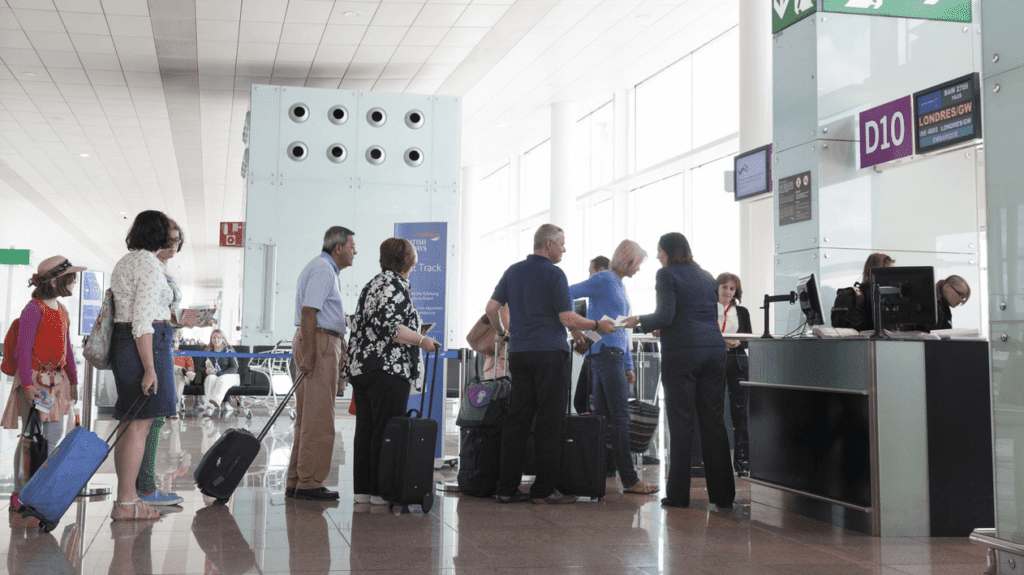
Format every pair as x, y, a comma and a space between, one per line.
362, 498
159, 498
208, 412
377, 500
556, 498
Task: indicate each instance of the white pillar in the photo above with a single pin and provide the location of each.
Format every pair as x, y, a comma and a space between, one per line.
469, 302
757, 230
622, 137
563, 193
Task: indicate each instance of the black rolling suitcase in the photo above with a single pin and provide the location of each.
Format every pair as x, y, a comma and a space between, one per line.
222, 467
584, 457
407, 455
480, 450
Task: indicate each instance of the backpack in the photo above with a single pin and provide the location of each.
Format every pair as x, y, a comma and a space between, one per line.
10, 363
849, 309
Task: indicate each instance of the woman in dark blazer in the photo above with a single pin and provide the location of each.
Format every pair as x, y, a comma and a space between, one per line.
692, 370
734, 318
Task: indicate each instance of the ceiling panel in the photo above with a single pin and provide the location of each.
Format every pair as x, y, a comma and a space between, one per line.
158, 99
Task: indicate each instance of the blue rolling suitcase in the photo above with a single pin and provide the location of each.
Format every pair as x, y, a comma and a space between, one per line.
54, 487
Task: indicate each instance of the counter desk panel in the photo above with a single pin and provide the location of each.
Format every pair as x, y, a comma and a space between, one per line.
890, 438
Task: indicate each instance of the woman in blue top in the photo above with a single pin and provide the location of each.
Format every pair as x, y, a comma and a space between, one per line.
611, 363
692, 370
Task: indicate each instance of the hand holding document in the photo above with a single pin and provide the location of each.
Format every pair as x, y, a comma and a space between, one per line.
619, 322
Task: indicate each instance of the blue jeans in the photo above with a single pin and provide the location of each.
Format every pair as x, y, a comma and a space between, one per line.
608, 380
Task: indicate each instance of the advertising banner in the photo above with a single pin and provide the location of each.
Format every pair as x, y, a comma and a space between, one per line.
886, 132
427, 282
945, 10
90, 300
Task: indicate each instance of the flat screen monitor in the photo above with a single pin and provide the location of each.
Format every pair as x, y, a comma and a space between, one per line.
580, 306
948, 114
810, 303
914, 307
752, 173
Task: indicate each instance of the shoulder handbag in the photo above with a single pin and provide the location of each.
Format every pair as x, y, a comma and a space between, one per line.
485, 403
96, 347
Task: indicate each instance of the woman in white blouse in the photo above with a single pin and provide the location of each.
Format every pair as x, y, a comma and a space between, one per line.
140, 353
734, 318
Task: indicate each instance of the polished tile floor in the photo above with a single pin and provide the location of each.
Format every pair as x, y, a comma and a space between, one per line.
260, 531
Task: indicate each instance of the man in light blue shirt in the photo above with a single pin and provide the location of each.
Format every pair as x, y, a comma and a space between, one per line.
319, 348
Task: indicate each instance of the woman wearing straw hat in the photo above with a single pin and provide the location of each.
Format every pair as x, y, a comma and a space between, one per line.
45, 359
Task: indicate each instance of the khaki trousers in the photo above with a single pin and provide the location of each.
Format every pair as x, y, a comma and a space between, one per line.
314, 413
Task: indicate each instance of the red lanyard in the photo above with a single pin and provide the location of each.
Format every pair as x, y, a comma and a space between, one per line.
725, 316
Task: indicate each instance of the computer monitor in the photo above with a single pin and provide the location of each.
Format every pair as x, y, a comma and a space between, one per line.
580, 306
752, 173
913, 306
810, 303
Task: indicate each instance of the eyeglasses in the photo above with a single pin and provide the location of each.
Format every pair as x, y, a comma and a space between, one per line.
175, 241
963, 298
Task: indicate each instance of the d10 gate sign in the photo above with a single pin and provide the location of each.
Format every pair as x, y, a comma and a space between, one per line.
886, 133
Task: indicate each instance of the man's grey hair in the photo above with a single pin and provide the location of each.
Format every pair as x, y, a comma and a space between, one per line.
544, 233
336, 235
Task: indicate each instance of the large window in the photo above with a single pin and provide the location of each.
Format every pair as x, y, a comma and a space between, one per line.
716, 89
596, 130
495, 203
535, 181
599, 237
715, 216
663, 115
655, 210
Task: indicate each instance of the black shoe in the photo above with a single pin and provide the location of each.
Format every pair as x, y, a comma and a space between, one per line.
321, 493
289, 492
517, 497
648, 460
666, 502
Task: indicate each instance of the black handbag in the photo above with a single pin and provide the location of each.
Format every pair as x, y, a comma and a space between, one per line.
32, 449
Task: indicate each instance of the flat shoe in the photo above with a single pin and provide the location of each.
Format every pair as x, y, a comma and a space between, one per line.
641, 488
118, 513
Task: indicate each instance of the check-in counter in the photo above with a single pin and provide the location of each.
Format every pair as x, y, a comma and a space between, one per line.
888, 438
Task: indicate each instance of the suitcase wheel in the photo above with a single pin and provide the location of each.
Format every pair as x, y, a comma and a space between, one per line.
428, 502
248, 414
291, 413
46, 526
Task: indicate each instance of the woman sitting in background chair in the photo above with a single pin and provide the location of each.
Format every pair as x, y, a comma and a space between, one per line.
221, 375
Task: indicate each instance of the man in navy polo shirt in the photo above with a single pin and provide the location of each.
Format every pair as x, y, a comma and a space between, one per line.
537, 295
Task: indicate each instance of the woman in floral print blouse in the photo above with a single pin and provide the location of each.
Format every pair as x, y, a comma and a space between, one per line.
383, 359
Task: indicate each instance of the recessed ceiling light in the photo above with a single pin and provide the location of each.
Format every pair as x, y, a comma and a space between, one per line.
83, 155
351, 14
29, 74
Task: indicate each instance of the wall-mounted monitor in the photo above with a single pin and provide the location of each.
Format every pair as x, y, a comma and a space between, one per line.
948, 114
753, 173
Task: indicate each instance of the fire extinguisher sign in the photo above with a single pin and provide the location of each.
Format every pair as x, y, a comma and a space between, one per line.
232, 234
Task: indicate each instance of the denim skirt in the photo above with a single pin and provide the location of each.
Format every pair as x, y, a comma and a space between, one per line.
128, 371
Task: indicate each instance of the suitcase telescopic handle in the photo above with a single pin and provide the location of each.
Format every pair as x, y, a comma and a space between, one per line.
433, 381
129, 418
280, 407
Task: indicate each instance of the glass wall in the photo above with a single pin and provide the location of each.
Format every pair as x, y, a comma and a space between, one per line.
681, 130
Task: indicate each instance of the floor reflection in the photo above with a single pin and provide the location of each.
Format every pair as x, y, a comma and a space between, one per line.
260, 531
